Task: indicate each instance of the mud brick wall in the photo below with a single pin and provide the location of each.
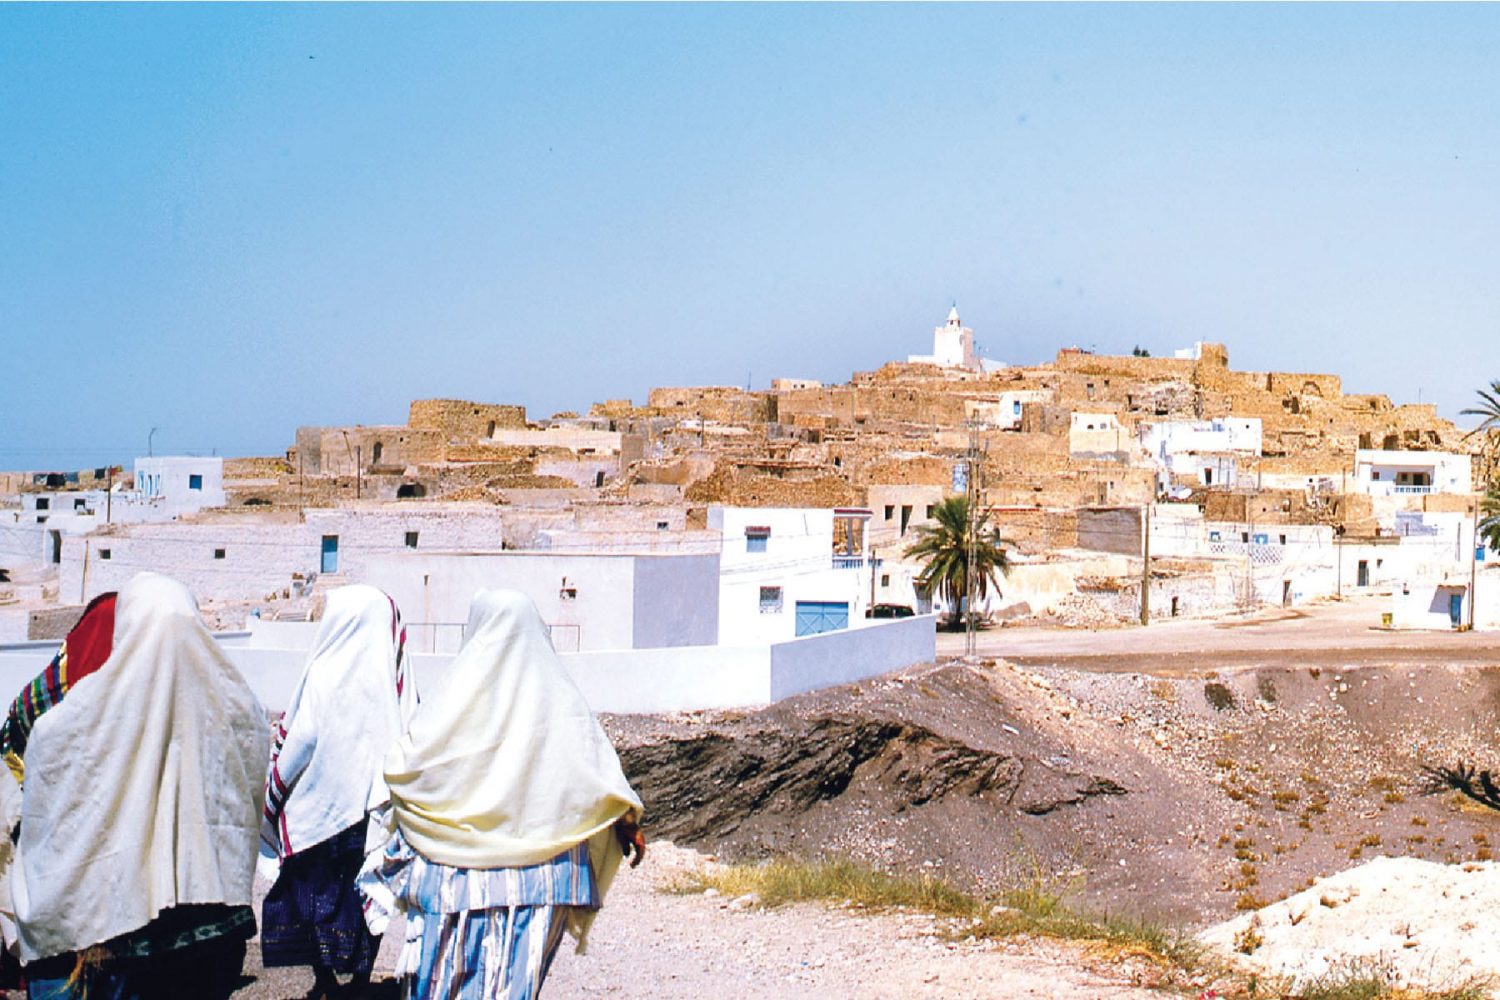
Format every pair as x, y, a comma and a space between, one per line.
458, 419
52, 623
1036, 529
725, 404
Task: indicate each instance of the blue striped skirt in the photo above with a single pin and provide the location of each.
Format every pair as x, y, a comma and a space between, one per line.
501, 953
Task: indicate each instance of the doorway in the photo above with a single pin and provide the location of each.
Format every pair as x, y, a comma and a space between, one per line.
1362, 575
1456, 609
330, 562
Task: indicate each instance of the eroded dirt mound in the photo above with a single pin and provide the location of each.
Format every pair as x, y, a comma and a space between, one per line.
1182, 798
708, 787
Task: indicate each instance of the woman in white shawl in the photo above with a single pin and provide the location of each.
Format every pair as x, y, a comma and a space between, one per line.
509, 816
140, 816
354, 701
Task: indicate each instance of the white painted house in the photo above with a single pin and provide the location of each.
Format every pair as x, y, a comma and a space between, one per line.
1203, 451
1390, 473
1096, 434
184, 483
779, 576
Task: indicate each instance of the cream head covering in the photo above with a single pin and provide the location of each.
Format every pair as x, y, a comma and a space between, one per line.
143, 787
506, 766
354, 701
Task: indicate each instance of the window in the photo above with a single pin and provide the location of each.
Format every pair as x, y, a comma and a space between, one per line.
885, 579
905, 516
770, 600
1213, 536
598, 479
195, 482
755, 537
43, 503
218, 553
79, 503
931, 510
661, 525
1375, 476
1245, 537
1283, 539
411, 539
890, 511
104, 553
1015, 407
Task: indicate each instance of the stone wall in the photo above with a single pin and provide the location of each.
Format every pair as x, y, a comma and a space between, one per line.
462, 420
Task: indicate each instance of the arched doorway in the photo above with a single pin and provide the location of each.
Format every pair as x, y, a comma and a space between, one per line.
410, 491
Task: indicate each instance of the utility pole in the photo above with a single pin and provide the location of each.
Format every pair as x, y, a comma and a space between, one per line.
971, 578
1473, 562
1146, 568
359, 458
1338, 558
1250, 551
109, 496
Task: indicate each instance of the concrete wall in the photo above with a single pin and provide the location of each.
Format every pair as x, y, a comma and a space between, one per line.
676, 601
437, 588
609, 602
628, 681
833, 658
267, 553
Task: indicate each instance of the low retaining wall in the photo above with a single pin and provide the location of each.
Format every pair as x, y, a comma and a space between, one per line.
629, 681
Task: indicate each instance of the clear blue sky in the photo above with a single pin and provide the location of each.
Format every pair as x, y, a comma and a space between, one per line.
227, 221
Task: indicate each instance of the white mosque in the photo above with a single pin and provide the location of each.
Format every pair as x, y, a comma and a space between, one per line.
952, 346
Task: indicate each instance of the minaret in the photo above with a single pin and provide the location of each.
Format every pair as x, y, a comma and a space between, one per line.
953, 343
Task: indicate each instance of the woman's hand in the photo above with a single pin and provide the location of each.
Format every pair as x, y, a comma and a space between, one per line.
628, 833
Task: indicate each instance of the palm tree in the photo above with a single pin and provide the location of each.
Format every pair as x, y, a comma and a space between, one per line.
1489, 409
944, 548
1489, 520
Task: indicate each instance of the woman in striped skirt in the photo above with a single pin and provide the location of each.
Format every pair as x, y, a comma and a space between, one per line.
509, 817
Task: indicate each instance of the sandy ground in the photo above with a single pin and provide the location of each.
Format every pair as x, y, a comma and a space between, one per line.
653, 945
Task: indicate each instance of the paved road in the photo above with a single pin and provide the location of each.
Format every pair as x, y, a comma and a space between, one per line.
1335, 633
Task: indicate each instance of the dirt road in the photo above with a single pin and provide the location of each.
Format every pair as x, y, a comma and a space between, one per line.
647, 944
1344, 633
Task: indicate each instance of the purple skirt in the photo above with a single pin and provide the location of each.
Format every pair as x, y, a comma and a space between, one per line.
314, 915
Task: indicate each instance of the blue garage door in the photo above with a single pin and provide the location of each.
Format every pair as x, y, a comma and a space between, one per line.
821, 616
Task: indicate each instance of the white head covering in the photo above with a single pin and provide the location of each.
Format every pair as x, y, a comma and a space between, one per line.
143, 787
354, 701
507, 766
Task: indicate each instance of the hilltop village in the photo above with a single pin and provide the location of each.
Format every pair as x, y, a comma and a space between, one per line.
716, 515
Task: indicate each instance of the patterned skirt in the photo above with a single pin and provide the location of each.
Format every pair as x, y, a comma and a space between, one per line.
502, 953
314, 915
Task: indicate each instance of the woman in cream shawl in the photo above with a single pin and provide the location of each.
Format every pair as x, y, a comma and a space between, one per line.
510, 815
354, 701
141, 813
